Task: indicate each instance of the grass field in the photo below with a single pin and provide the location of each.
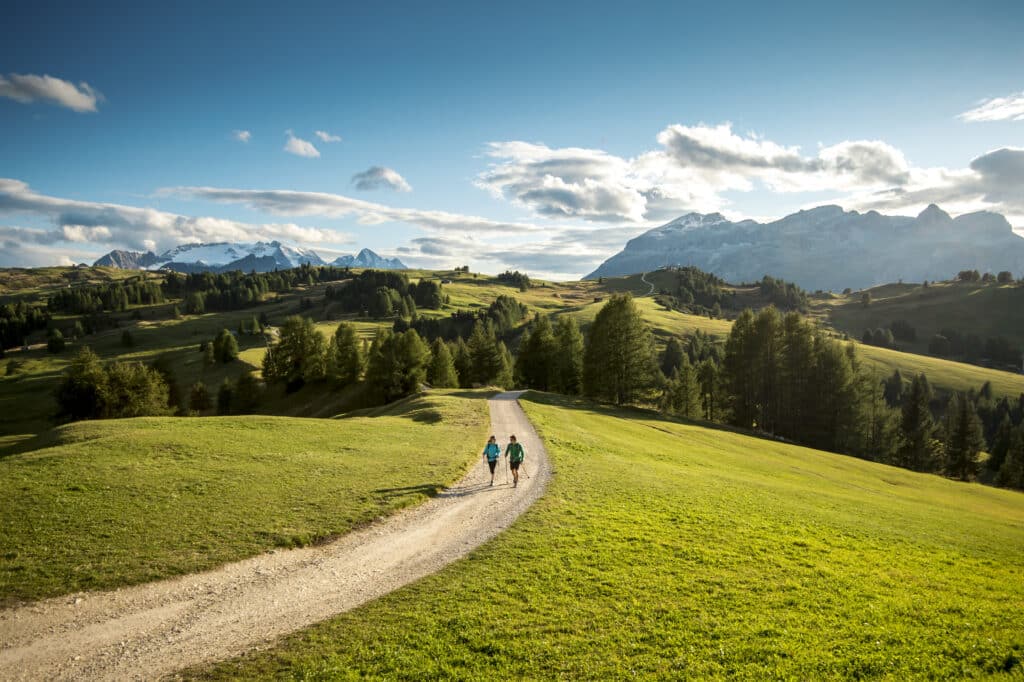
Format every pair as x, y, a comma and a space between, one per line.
126, 501
699, 554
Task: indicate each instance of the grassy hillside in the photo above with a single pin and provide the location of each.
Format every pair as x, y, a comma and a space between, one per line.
702, 554
988, 310
115, 502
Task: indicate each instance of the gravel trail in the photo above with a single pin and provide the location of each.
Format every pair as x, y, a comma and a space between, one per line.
149, 631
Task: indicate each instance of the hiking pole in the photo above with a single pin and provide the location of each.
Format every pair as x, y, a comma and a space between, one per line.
507, 467
522, 465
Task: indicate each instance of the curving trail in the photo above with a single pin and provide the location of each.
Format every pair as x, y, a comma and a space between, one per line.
149, 631
643, 278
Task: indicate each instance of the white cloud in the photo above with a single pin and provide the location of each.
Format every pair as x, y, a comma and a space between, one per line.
26, 88
300, 147
243, 135
380, 177
1010, 108
327, 137
133, 227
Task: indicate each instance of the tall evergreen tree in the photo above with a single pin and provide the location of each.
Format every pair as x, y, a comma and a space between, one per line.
916, 450
568, 356
397, 364
1011, 473
80, 393
199, 398
739, 374
441, 373
964, 440
619, 362
463, 363
298, 356
536, 366
344, 355
486, 358
682, 392
1000, 444
708, 377
225, 346
671, 357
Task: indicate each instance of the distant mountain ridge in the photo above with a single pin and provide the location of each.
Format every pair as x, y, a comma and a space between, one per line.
827, 247
228, 256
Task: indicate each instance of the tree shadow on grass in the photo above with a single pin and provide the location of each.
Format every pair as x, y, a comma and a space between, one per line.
429, 489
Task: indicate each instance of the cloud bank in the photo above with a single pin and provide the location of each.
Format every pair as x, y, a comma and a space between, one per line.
27, 88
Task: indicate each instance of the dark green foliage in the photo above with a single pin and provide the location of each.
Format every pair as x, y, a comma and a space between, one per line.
865, 299
964, 440
225, 346
903, 331
195, 303
175, 400
783, 295
78, 331
619, 362
969, 276
248, 391
209, 354
225, 397
488, 360
671, 357
55, 341
516, 279
90, 390
708, 376
344, 355
112, 296
127, 341
1011, 473
569, 352
298, 357
18, 320
939, 345
441, 372
382, 293
504, 313
682, 393
1005, 277
536, 365
397, 365
463, 363
1000, 444
892, 389
199, 398
916, 449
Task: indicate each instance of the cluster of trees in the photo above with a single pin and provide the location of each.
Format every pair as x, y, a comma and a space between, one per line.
886, 337
783, 295
550, 356
111, 296
93, 390
504, 314
1004, 277
383, 293
971, 348
17, 321
393, 365
516, 279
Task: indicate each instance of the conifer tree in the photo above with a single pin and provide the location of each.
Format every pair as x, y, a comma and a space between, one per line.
248, 392
299, 355
671, 357
964, 439
1011, 473
199, 398
915, 450
1000, 444
708, 377
397, 364
486, 358
682, 392
619, 362
739, 372
536, 365
463, 363
225, 396
225, 347
344, 355
568, 356
441, 373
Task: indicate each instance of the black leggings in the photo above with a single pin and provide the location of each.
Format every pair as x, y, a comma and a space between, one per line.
492, 464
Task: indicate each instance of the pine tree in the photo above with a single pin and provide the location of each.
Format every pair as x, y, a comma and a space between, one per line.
671, 357
915, 450
506, 373
344, 355
1000, 444
397, 364
463, 363
55, 341
964, 440
225, 396
568, 356
1011, 473
487, 361
682, 392
133, 390
739, 371
248, 392
708, 378
199, 398
441, 373
536, 366
80, 393
225, 347
299, 356
619, 362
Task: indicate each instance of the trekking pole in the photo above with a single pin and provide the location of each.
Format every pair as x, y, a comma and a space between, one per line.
522, 465
507, 467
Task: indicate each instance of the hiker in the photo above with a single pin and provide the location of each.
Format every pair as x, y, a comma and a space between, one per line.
491, 454
515, 455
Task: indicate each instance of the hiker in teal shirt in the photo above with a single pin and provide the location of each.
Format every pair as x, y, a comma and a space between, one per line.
515, 455
491, 454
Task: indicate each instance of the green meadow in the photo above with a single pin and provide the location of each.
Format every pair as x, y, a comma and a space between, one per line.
97, 505
668, 550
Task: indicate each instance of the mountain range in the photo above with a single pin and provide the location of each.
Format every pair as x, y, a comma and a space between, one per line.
827, 248
228, 256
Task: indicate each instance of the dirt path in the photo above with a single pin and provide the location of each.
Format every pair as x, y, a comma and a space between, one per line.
149, 631
643, 278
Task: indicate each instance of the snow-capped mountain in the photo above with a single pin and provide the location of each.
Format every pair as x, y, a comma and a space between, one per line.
368, 259
827, 247
228, 256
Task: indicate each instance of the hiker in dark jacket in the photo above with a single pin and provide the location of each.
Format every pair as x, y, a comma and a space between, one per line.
515, 453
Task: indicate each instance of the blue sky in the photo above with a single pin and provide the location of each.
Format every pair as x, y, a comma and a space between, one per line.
547, 136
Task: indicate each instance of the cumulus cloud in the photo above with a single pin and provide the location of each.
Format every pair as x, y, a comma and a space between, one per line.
697, 167
26, 88
380, 177
137, 228
1010, 108
243, 135
300, 147
327, 137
